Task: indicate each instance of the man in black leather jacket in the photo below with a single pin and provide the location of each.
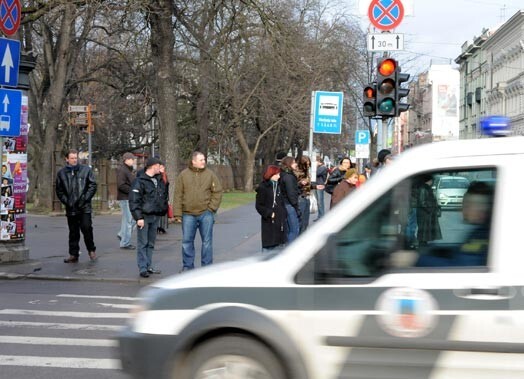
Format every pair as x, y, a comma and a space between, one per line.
75, 187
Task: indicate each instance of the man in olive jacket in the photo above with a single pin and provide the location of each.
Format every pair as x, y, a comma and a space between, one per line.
198, 194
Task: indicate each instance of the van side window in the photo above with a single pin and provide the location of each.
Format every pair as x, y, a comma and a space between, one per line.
437, 220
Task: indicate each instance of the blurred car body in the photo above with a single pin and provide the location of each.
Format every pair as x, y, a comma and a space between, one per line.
349, 298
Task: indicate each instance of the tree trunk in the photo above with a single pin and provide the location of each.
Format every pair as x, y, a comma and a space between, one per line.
162, 41
58, 70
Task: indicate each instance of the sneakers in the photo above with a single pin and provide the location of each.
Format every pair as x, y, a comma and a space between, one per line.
71, 259
184, 269
144, 274
152, 270
128, 247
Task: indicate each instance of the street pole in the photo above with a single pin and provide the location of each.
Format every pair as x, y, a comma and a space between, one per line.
89, 130
312, 168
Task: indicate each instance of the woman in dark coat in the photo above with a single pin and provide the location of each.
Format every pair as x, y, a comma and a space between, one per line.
428, 212
270, 206
290, 194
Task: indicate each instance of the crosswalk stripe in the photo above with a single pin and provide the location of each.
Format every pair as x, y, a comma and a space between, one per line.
103, 364
58, 341
98, 297
63, 314
116, 306
57, 325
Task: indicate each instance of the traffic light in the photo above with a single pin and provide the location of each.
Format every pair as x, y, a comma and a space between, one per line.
370, 100
400, 92
386, 85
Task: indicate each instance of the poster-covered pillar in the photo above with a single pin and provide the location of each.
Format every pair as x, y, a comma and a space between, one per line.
15, 179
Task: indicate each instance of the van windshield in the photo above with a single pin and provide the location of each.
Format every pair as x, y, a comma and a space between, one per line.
454, 183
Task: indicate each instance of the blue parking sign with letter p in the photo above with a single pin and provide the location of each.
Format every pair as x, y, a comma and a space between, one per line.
362, 137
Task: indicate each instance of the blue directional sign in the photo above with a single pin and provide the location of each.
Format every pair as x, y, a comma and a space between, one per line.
362, 137
328, 112
10, 110
9, 62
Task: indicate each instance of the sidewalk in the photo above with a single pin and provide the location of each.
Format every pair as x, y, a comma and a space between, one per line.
236, 235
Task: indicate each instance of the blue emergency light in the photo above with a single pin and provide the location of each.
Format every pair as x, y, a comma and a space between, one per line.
495, 126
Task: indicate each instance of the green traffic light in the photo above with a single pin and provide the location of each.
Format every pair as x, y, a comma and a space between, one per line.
386, 106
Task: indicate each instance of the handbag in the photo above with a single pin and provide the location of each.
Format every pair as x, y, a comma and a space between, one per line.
313, 205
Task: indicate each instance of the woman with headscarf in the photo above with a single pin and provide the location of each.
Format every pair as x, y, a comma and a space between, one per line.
269, 204
345, 187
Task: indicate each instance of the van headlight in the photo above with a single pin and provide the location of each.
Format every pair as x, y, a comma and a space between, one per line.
144, 302
442, 196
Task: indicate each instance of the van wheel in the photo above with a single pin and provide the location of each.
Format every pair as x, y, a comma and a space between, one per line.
233, 357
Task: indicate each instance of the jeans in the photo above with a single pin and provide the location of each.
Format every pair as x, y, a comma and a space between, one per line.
127, 224
204, 224
145, 239
80, 222
320, 200
411, 227
293, 226
303, 206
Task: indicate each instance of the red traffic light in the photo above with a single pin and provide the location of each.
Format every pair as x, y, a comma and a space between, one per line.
387, 67
369, 92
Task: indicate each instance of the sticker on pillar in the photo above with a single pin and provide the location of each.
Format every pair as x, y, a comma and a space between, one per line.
407, 312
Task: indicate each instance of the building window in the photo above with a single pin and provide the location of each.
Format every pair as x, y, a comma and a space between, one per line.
478, 94
469, 99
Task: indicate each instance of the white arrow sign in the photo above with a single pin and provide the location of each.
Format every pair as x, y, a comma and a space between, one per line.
6, 103
7, 64
385, 41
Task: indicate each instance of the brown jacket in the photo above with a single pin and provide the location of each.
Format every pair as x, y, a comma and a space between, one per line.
340, 192
196, 191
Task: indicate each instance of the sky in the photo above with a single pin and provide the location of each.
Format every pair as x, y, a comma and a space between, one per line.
436, 30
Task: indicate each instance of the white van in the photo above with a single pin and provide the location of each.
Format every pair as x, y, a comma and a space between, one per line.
381, 287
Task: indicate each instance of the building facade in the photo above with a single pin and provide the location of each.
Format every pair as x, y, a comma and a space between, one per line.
473, 75
433, 115
492, 77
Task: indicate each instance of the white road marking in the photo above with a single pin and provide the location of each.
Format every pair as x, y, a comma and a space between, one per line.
98, 297
30, 340
103, 364
119, 306
28, 312
57, 325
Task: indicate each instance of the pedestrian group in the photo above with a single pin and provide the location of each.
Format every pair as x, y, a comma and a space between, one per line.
144, 203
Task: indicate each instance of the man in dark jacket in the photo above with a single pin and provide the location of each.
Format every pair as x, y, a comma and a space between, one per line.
124, 178
147, 200
75, 187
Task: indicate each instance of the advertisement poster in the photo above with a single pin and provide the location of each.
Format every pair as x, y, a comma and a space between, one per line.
14, 182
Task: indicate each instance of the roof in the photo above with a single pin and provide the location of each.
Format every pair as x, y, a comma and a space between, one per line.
469, 147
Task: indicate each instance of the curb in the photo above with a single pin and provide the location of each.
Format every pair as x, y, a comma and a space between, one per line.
15, 276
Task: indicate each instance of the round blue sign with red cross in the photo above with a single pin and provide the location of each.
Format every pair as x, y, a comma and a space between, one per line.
10, 14
386, 14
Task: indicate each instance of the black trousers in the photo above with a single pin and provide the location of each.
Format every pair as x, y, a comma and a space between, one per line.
80, 222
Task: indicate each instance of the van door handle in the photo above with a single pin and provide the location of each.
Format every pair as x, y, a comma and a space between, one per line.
486, 293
